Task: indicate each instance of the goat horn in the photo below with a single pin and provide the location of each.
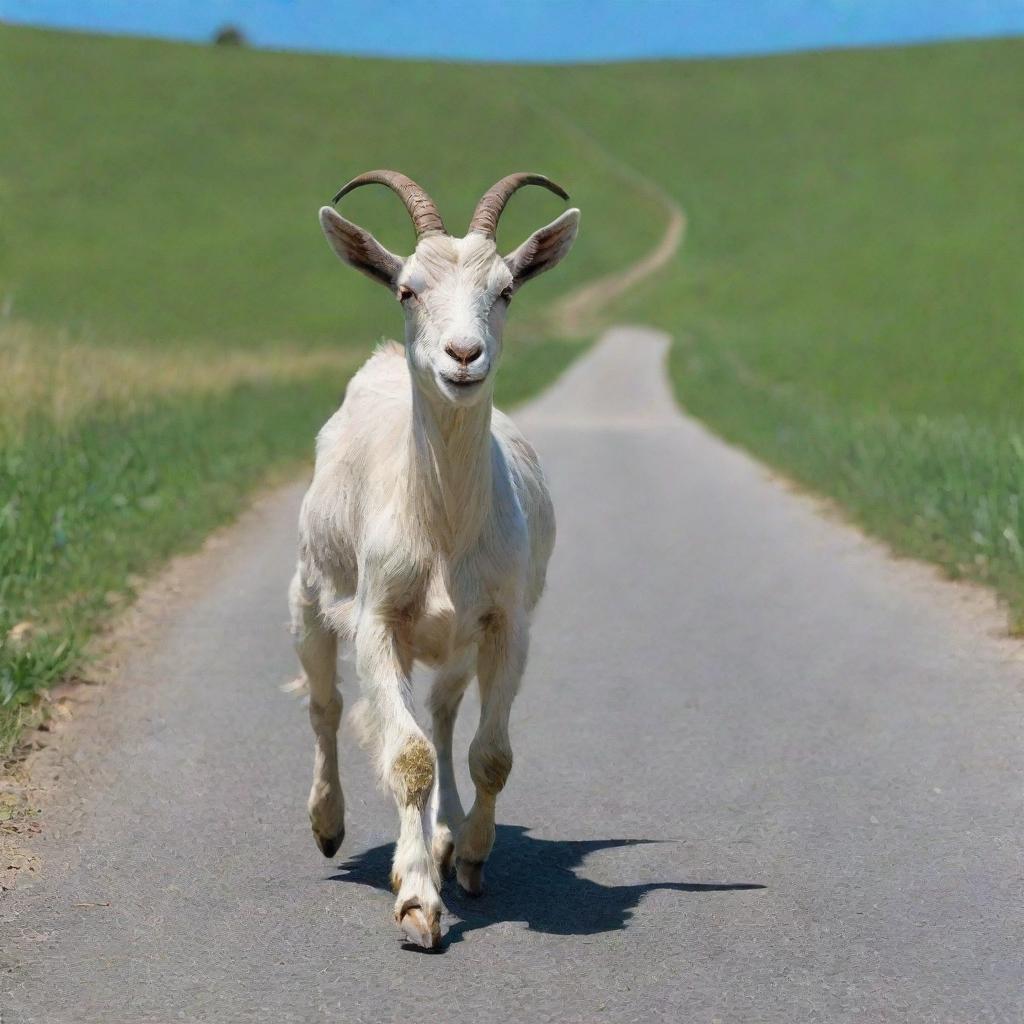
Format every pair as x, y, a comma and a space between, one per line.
492, 203
423, 210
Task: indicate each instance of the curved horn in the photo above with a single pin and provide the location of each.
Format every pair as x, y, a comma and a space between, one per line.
423, 210
488, 210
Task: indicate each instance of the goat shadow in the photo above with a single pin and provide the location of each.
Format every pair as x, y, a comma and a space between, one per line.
533, 880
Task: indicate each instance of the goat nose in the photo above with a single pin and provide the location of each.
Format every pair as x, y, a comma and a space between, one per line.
464, 352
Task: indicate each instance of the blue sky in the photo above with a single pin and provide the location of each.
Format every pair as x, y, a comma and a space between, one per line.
539, 30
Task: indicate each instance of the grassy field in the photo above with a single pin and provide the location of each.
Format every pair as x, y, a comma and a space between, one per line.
848, 302
173, 327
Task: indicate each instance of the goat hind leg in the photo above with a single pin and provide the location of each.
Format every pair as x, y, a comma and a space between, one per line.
317, 648
446, 807
500, 669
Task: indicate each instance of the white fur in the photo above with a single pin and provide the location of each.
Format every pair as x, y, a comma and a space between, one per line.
424, 536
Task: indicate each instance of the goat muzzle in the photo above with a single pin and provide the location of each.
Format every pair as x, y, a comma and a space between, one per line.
464, 352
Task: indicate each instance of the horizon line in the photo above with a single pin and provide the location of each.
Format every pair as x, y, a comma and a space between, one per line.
753, 52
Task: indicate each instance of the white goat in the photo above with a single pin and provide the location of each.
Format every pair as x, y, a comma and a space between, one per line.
425, 536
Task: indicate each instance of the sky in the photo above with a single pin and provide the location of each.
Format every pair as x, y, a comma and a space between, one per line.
538, 30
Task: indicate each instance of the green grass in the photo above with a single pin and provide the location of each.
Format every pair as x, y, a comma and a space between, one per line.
949, 488
174, 199
88, 509
158, 215
847, 304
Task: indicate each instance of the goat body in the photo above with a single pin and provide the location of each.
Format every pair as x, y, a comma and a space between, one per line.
425, 536
450, 509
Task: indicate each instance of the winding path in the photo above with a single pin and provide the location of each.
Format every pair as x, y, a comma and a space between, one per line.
763, 773
584, 305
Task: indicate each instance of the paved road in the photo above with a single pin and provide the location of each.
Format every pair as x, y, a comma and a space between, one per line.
763, 773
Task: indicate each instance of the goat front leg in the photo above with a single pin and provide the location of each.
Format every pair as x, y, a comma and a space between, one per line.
317, 649
408, 764
500, 668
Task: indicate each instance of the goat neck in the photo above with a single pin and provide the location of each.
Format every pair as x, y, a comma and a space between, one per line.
450, 473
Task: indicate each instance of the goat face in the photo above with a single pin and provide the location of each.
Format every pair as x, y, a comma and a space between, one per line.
455, 292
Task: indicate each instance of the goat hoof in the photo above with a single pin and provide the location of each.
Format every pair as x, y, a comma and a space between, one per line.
470, 875
420, 927
329, 845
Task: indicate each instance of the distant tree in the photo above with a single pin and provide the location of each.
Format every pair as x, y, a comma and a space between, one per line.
229, 35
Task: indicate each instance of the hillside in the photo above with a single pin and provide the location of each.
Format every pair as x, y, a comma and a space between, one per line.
174, 328
847, 303
168, 193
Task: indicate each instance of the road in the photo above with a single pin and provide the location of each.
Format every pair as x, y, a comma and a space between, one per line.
764, 773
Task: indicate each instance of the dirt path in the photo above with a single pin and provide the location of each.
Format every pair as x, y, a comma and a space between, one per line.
585, 305
584, 308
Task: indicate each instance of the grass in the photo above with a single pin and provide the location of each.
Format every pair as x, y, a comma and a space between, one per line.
948, 488
174, 200
847, 303
92, 506
173, 328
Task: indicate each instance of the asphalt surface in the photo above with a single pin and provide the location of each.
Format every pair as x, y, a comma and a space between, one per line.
763, 773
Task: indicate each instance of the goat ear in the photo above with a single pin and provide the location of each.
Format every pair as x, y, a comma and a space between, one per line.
359, 249
545, 248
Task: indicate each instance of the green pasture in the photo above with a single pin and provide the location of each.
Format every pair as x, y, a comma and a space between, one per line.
847, 304
849, 300
158, 216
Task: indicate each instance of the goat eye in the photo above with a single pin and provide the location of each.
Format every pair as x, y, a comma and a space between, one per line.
506, 293
405, 292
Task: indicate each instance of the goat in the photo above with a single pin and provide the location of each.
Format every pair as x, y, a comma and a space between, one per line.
425, 536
